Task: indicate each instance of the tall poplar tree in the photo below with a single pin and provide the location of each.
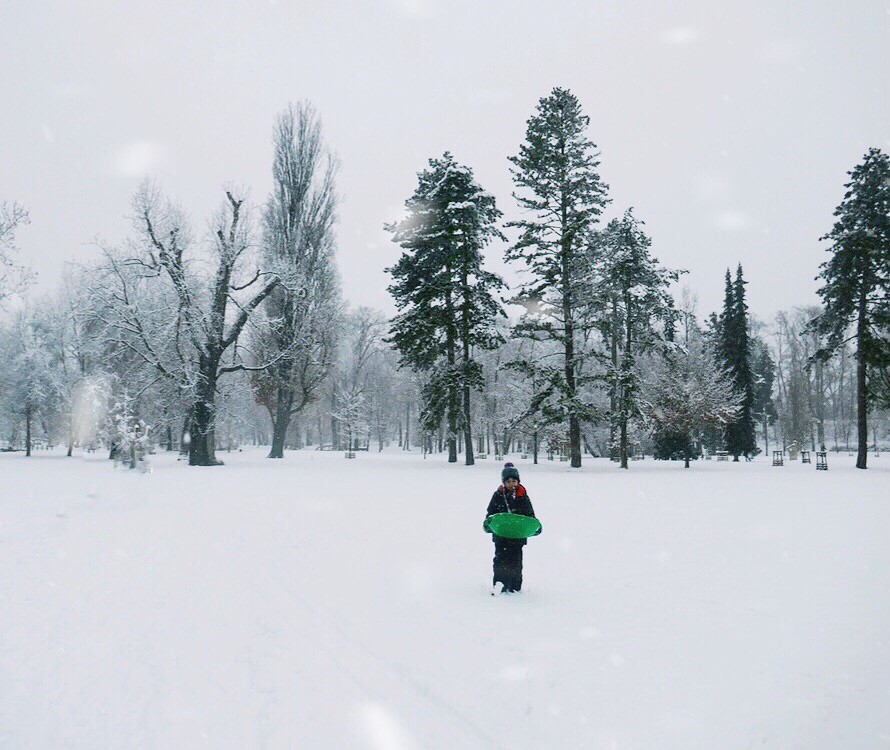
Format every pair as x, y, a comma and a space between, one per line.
561, 192
856, 282
445, 297
298, 240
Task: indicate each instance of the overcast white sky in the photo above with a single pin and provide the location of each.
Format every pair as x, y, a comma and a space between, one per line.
728, 126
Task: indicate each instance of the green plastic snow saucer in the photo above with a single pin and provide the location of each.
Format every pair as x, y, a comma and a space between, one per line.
513, 525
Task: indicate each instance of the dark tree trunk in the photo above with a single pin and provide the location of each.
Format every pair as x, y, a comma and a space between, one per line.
575, 440
201, 449
861, 392
765, 434
468, 432
574, 424
453, 387
281, 422
28, 430
817, 405
628, 343
335, 425
613, 391
469, 459
452, 430
407, 445
567, 311
623, 445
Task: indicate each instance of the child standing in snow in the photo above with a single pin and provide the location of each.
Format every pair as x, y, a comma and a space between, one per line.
510, 497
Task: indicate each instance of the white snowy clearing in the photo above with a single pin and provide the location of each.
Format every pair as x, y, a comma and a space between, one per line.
318, 602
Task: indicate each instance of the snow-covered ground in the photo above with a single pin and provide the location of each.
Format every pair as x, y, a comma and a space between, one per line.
317, 602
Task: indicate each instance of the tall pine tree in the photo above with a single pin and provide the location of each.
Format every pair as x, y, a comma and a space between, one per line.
856, 282
638, 311
559, 187
445, 297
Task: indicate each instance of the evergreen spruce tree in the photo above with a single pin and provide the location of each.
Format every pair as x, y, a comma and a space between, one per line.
856, 282
556, 174
734, 353
740, 434
445, 297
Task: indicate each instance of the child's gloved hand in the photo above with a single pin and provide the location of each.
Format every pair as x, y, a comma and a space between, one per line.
538, 531
485, 526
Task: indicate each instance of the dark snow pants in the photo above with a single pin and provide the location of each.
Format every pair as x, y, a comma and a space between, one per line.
508, 563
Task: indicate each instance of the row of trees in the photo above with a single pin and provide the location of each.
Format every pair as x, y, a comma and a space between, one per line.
241, 335
597, 303
52, 381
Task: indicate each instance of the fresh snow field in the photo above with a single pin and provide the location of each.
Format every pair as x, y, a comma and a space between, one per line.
317, 602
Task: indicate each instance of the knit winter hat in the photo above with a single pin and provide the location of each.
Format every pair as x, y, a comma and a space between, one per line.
509, 472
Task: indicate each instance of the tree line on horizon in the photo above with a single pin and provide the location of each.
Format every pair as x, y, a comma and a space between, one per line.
241, 335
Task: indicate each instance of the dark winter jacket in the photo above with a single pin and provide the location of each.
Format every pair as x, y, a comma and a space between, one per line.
503, 501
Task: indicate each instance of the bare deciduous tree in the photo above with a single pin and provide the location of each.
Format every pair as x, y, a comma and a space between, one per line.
188, 329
